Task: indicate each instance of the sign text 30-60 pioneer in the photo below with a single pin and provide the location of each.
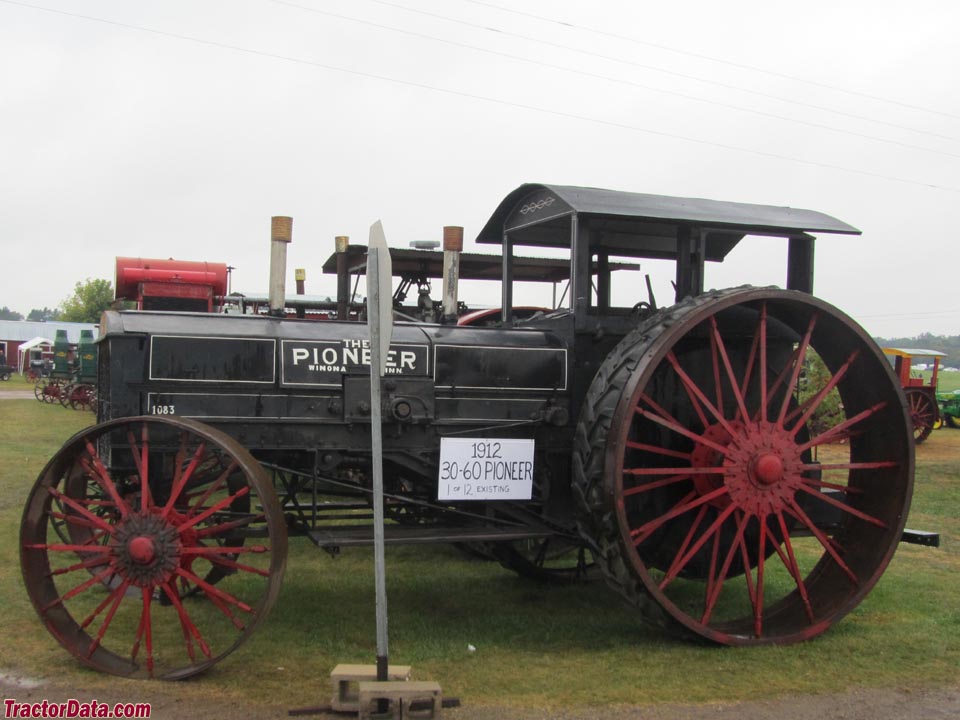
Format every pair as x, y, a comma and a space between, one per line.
323, 362
485, 469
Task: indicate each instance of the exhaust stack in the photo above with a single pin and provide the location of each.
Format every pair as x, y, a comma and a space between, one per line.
281, 233
343, 277
452, 247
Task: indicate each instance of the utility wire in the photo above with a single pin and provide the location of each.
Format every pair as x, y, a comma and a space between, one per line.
722, 61
473, 96
611, 58
598, 76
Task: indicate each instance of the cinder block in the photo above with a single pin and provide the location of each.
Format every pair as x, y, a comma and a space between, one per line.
345, 679
399, 697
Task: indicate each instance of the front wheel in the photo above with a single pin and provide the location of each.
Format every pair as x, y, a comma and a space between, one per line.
152, 547
744, 466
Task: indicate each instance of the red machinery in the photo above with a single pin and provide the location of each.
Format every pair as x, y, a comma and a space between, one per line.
921, 395
170, 284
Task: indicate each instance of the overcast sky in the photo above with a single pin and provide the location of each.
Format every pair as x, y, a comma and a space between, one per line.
178, 128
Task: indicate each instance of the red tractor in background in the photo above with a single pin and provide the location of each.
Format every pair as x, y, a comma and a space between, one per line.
921, 395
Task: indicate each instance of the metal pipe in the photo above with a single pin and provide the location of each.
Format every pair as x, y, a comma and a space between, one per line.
343, 277
281, 233
452, 247
300, 275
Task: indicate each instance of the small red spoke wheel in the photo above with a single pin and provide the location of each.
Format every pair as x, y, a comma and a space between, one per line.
152, 547
80, 396
744, 462
66, 393
924, 413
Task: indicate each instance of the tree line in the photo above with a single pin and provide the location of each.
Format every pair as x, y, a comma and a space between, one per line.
88, 300
949, 344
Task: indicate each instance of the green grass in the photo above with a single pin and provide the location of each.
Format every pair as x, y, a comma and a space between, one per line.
537, 646
946, 381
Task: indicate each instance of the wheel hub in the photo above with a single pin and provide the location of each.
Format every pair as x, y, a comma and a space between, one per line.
147, 549
142, 550
763, 469
760, 469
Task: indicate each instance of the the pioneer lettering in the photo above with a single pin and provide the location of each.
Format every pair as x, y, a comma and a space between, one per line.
351, 353
323, 363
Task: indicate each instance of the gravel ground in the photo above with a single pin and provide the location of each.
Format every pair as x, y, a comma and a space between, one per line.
179, 700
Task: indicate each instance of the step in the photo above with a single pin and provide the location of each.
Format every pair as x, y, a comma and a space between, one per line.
395, 700
346, 679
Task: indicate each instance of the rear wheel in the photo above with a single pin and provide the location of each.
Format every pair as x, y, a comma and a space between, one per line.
695, 461
152, 547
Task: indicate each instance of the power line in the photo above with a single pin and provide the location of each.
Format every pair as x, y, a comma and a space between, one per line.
474, 96
711, 58
644, 66
598, 76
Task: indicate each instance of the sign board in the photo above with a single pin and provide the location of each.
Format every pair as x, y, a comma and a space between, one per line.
380, 273
485, 469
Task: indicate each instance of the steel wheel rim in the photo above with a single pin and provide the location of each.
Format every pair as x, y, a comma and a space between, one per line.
727, 489
109, 570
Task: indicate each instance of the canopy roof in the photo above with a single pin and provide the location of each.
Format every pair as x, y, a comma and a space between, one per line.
640, 225
913, 352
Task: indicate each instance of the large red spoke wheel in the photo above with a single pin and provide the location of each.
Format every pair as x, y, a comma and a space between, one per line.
152, 547
733, 488
924, 413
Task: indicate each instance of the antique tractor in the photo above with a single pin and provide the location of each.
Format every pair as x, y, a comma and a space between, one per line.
922, 396
669, 448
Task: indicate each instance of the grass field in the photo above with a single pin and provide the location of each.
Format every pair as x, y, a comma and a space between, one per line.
537, 646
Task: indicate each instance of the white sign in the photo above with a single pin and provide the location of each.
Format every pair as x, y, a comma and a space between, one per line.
485, 469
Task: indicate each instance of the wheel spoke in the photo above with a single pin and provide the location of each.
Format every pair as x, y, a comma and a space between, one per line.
113, 599
655, 485
761, 562
817, 399
713, 530
830, 500
141, 460
763, 363
797, 512
182, 478
85, 565
633, 445
715, 585
790, 562
689, 502
73, 504
691, 387
675, 565
798, 356
680, 430
214, 487
692, 395
223, 550
95, 580
99, 473
186, 624
831, 434
214, 509
720, 347
212, 590
224, 527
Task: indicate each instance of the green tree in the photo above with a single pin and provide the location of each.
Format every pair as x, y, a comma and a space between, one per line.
89, 300
814, 378
43, 315
8, 314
